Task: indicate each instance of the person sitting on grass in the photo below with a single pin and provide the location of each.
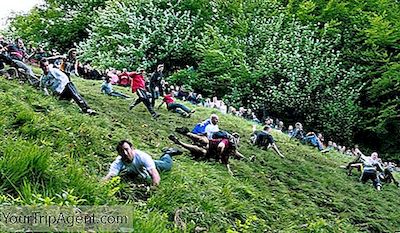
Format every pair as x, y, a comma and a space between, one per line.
371, 166
139, 163
106, 88
264, 139
298, 132
220, 149
175, 107
315, 140
203, 131
59, 84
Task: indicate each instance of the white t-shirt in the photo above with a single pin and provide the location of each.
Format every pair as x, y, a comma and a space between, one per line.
210, 129
141, 164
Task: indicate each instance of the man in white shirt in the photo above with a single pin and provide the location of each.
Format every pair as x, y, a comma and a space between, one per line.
370, 172
203, 131
140, 163
59, 83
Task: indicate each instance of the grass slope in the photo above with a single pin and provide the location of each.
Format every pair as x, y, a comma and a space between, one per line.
50, 153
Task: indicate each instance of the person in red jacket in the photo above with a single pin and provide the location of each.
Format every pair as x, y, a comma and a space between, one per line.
175, 107
138, 86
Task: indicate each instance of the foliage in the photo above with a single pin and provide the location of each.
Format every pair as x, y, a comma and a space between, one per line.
56, 24
128, 34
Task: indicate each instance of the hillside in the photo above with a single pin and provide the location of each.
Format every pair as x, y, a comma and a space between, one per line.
48, 148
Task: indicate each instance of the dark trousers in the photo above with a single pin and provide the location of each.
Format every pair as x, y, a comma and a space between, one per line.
155, 94
70, 92
143, 97
370, 175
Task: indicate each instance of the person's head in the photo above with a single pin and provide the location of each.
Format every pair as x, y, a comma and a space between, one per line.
280, 124
236, 139
44, 65
267, 128
125, 150
72, 53
374, 155
290, 128
214, 119
20, 43
107, 79
160, 67
298, 125
124, 70
330, 143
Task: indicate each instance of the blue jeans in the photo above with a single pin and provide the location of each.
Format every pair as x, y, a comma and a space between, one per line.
314, 141
177, 108
164, 163
118, 94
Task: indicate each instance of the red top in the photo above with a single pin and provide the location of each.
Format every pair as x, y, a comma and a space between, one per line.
168, 99
137, 81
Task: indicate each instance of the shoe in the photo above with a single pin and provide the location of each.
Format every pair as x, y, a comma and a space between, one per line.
172, 151
193, 111
155, 115
91, 112
173, 138
182, 130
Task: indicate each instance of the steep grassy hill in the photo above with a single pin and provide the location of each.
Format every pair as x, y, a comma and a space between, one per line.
50, 153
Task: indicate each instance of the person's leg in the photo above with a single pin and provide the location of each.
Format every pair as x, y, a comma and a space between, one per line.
181, 106
192, 148
144, 98
198, 138
118, 94
375, 181
136, 102
153, 96
164, 163
70, 87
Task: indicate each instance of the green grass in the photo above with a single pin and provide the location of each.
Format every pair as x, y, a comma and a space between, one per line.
49, 149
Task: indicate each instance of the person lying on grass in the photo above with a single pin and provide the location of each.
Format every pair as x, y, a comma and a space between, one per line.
264, 139
175, 107
106, 88
59, 84
203, 131
139, 163
221, 149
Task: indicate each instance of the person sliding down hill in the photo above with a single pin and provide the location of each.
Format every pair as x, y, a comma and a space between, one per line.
139, 163
203, 131
106, 88
138, 86
175, 107
220, 149
264, 139
371, 166
59, 83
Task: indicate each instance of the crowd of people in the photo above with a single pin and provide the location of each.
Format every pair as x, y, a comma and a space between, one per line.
207, 141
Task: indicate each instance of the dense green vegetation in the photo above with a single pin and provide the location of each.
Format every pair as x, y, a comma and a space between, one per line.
53, 154
333, 65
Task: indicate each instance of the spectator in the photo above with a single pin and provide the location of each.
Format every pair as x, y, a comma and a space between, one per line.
155, 83
290, 130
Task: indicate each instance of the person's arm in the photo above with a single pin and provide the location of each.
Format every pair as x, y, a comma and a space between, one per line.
155, 176
159, 106
229, 169
115, 168
277, 150
239, 155
76, 68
